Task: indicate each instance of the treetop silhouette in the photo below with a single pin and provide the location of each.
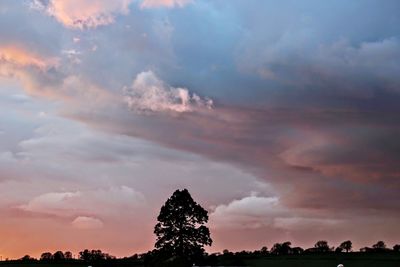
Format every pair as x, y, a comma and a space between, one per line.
346, 245
180, 229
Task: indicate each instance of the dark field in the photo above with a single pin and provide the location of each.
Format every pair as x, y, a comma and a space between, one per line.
350, 260
327, 260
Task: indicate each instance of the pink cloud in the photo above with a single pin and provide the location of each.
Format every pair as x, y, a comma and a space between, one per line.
84, 203
150, 94
23, 58
85, 14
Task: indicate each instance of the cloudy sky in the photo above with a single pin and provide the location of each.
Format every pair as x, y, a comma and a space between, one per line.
282, 118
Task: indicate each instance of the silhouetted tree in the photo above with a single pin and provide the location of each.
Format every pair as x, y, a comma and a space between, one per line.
379, 246
109, 257
297, 250
276, 249
339, 250
180, 229
281, 248
27, 258
366, 249
346, 245
97, 255
68, 255
134, 257
46, 256
85, 255
58, 256
94, 255
264, 250
396, 248
322, 246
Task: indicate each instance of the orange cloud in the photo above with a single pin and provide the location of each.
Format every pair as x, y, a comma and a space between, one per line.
24, 58
86, 14
40, 76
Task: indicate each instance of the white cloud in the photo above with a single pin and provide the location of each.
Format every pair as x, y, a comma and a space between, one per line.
164, 3
249, 212
52, 203
149, 93
258, 212
66, 204
84, 222
84, 14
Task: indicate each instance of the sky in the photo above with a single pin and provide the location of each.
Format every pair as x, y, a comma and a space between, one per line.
281, 118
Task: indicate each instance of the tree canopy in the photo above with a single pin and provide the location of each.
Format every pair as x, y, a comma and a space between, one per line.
281, 248
322, 246
346, 245
380, 245
180, 229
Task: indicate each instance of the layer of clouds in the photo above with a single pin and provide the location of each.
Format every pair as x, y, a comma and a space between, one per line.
21, 58
102, 180
87, 202
351, 70
305, 107
299, 150
258, 212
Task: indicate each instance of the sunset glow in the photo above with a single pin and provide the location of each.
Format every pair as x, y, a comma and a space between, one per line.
282, 119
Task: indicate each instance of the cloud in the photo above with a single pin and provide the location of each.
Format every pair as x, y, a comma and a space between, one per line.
19, 57
46, 76
164, 3
340, 68
89, 202
248, 212
84, 14
39, 74
341, 152
84, 222
52, 203
254, 212
150, 94
302, 151
305, 224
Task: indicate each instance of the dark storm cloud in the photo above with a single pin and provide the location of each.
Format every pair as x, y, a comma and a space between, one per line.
351, 157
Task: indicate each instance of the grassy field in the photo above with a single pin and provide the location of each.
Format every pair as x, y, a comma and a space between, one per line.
349, 260
73, 264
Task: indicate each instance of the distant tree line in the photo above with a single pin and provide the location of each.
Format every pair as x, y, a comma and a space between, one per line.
86, 255
153, 257
182, 235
